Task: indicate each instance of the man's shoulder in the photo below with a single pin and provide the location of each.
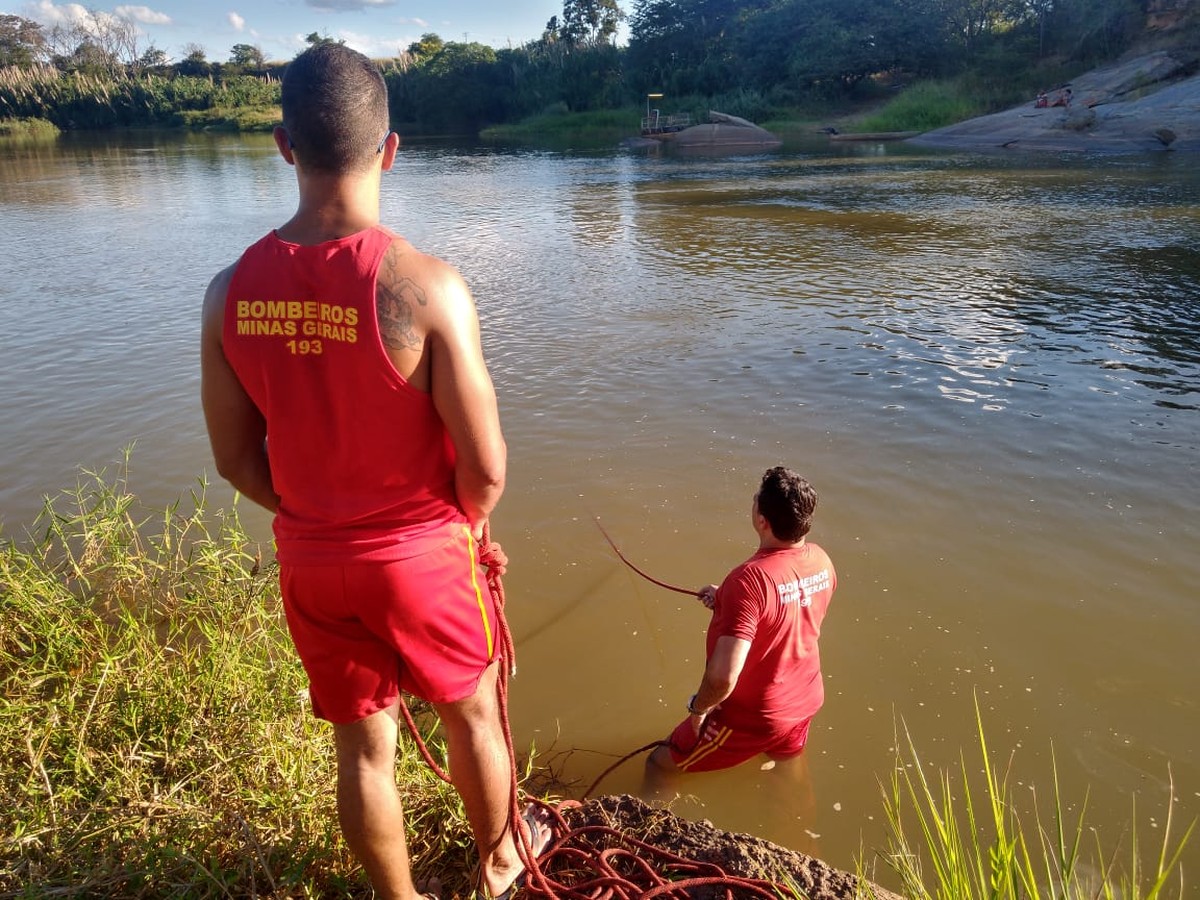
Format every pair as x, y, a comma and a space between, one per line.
406, 259
818, 556
431, 282
218, 289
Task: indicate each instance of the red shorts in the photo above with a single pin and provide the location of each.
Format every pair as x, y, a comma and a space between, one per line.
721, 747
366, 631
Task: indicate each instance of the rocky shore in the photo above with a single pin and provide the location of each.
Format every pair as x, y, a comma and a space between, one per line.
1149, 103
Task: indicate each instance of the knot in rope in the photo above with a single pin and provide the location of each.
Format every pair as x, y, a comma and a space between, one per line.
492, 557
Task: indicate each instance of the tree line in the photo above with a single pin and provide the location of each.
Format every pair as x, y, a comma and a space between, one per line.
765, 54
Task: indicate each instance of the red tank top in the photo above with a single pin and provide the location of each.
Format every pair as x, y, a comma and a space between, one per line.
361, 461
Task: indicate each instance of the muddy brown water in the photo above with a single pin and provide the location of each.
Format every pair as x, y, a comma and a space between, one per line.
989, 367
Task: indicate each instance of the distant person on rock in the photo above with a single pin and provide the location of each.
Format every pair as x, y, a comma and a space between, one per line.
345, 390
762, 677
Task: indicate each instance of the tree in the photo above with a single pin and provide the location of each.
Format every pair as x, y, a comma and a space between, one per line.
152, 59
429, 46
591, 23
22, 42
314, 39
95, 41
455, 91
195, 61
247, 56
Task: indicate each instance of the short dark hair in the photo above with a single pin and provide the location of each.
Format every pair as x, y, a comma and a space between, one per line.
786, 500
335, 108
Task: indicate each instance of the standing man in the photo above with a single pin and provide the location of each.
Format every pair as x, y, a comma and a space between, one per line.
345, 390
762, 678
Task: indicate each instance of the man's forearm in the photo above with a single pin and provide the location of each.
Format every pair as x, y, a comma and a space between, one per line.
477, 496
252, 478
721, 673
710, 694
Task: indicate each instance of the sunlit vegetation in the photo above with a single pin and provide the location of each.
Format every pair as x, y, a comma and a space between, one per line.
28, 130
966, 835
97, 100
762, 61
155, 735
558, 126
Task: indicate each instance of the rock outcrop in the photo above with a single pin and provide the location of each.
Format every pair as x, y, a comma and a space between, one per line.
1126, 107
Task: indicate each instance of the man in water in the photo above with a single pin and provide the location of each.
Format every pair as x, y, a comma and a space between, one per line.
345, 390
762, 677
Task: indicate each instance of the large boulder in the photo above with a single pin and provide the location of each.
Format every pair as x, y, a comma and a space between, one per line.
1121, 107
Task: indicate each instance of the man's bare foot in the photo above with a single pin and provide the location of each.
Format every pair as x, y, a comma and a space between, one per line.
540, 832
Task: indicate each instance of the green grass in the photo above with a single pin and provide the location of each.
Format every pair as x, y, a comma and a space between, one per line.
955, 842
922, 107
28, 130
239, 118
926, 105
155, 735
558, 128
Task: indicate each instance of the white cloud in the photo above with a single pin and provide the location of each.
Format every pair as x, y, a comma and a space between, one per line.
143, 14
48, 13
348, 5
373, 45
236, 21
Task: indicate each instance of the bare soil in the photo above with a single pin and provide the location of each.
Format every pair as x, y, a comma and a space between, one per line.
740, 855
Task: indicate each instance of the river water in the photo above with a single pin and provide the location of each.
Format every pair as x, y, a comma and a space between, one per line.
988, 367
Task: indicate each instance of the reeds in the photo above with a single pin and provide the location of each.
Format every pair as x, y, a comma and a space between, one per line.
155, 736
959, 843
88, 100
23, 130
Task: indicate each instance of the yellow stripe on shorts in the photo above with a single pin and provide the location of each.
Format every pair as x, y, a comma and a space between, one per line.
487, 628
704, 748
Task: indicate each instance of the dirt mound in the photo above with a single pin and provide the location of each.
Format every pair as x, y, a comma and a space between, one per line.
740, 855
1150, 102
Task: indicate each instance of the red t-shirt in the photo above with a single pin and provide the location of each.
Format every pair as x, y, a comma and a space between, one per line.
362, 463
776, 600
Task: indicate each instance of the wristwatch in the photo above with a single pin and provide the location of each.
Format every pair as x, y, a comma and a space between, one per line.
692, 707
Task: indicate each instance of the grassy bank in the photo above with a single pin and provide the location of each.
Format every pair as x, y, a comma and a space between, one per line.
921, 106
556, 128
155, 736
926, 105
76, 100
28, 130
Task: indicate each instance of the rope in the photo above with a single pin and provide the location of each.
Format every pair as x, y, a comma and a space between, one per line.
650, 578
592, 862
599, 862
620, 762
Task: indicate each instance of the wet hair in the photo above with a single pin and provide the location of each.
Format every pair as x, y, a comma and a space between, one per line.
335, 108
786, 500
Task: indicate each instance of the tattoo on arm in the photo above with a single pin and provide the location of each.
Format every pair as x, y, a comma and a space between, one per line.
396, 296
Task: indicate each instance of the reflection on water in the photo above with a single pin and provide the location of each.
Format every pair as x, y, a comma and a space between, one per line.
988, 367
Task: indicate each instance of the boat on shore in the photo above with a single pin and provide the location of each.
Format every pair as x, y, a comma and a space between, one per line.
721, 132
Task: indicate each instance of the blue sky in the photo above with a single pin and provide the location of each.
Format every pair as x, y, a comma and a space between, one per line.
278, 27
